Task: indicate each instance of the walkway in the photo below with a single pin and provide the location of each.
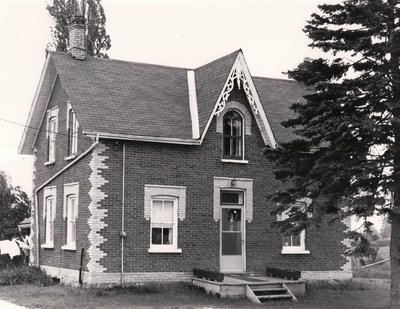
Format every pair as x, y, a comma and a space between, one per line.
7, 305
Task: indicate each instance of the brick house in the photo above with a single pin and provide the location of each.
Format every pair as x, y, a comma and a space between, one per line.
156, 170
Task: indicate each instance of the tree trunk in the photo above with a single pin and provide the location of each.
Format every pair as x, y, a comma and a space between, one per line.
393, 44
395, 262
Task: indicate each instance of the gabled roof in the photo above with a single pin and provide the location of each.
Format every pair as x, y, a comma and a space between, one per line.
129, 100
277, 96
210, 79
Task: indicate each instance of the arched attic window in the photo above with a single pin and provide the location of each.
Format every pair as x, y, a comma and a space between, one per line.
233, 135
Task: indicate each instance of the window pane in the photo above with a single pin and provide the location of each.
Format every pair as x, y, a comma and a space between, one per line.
231, 197
231, 219
167, 236
231, 243
227, 146
156, 236
238, 146
168, 211
233, 146
296, 240
287, 241
237, 127
157, 214
227, 125
71, 207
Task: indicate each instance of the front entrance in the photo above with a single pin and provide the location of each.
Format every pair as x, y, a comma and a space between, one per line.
232, 236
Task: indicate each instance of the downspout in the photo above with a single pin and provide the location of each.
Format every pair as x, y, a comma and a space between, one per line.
123, 233
45, 184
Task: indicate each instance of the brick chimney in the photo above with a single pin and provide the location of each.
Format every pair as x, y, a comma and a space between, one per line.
76, 40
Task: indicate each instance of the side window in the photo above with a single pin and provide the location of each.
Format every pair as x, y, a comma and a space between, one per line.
70, 214
163, 207
49, 215
164, 223
294, 243
51, 134
72, 128
50, 220
51, 149
233, 142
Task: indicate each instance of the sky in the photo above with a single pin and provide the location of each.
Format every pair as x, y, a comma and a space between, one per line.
170, 32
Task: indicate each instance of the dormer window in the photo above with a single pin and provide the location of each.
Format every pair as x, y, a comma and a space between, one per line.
233, 136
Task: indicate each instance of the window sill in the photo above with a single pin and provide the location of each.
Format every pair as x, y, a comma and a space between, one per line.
294, 251
68, 248
70, 157
235, 161
160, 250
47, 246
49, 162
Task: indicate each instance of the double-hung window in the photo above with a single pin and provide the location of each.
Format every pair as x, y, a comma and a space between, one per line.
233, 135
49, 214
51, 133
164, 224
71, 221
50, 220
71, 203
163, 206
72, 133
294, 243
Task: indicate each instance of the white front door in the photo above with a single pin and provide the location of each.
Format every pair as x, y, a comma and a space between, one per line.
232, 235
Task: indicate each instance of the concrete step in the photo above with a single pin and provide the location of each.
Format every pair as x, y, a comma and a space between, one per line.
256, 290
279, 296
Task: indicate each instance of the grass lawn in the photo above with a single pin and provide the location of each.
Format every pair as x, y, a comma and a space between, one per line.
380, 271
183, 295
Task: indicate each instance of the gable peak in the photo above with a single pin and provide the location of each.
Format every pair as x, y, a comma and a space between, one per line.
239, 74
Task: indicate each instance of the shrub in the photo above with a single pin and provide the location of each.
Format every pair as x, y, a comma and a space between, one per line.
5, 261
25, 275
336, 285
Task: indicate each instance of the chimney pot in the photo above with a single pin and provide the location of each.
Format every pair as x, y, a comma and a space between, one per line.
76, 37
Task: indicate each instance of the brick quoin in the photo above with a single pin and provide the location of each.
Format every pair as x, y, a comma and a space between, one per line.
193, 167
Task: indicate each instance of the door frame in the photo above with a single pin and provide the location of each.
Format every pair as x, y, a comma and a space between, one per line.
243, 226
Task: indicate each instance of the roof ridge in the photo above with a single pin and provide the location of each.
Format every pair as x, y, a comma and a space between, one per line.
127, 61
220, 58
276, 78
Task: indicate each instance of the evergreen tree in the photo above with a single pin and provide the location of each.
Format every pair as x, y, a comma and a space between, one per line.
348, 148
14, 207
97, 39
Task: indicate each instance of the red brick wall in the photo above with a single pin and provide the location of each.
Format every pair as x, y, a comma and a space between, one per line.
198, 234
79, 173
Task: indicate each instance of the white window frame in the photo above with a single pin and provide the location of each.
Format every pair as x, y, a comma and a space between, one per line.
51, 134
70, 190
49, 215
301, 249
72, 142
165, 248
243, 128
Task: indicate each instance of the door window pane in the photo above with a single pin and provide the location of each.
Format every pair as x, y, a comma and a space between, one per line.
232, 243
232, 197
231, 219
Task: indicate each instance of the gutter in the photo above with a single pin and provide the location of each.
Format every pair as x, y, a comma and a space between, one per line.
45, 184
128, 137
